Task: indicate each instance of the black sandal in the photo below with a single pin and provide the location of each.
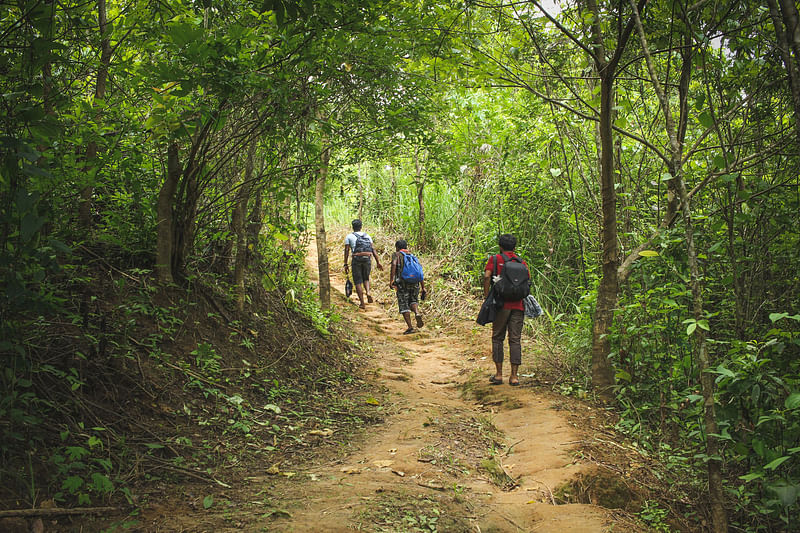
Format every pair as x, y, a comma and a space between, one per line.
409, 330
494, 381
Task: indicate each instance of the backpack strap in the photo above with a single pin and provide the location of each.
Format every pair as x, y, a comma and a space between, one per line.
505, 259
401, 262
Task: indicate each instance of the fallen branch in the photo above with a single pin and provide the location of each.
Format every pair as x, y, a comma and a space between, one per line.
552, 498
508, 451
160, 463
430, 486
514, 482
56, 511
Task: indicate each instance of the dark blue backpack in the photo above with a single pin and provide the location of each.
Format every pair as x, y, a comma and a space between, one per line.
363, 243
412, 270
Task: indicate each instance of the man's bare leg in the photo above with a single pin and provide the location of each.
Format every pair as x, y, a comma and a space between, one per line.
360, 293
366, 289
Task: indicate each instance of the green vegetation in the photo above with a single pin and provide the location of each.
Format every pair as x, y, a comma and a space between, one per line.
161, 165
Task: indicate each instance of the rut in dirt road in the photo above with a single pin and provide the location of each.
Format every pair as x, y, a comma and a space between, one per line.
457, 454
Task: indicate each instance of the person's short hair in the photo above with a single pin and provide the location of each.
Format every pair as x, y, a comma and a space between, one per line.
507, 242
357, 224
401, 244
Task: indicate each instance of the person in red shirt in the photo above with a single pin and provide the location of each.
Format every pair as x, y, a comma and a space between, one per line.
509, 319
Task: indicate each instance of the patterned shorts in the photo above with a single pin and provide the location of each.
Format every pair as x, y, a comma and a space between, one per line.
407, 295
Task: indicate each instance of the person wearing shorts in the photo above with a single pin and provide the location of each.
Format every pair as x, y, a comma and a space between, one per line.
360, 244
407, 292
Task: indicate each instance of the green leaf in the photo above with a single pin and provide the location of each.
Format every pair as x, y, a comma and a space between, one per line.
623, 375
272, 407
208, 501
787, 494
725, 372
752, 476
691, 327
72, 484
776, 463
700, 101
31, 223
774, 317
76, 452
101, 483
706, 119
648, 253
793, 401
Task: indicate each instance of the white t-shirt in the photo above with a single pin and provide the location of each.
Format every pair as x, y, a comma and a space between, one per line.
350, 240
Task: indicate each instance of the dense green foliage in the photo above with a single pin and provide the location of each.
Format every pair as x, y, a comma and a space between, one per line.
170, 140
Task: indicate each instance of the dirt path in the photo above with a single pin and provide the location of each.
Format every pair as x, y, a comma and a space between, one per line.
454, 453
457, 454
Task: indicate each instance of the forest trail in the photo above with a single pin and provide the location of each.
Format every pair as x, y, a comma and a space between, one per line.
428, 466
452, 453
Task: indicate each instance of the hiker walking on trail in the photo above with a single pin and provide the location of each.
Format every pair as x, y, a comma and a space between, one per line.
508, 275
406, 278
361, 246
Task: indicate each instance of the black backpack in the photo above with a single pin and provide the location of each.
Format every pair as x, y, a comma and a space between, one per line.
515, 281
363, 243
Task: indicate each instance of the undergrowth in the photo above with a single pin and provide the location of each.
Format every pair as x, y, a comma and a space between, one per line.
124, 384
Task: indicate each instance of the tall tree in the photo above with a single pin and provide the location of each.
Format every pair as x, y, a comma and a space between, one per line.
714, 465
321, 235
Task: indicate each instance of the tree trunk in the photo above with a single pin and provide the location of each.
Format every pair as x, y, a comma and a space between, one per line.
319, 221
784, 20
187, 196
419, 181
184, 218
602, 372
256, 222
240, 230
714, 465
360, 193
85, 207
716, 490
166, 195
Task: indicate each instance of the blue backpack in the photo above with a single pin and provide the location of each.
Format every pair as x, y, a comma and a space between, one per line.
412, 270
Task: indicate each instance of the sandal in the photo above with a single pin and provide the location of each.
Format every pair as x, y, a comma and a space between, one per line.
514, 383
409, 331
420, 323
494, 381
369, 299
